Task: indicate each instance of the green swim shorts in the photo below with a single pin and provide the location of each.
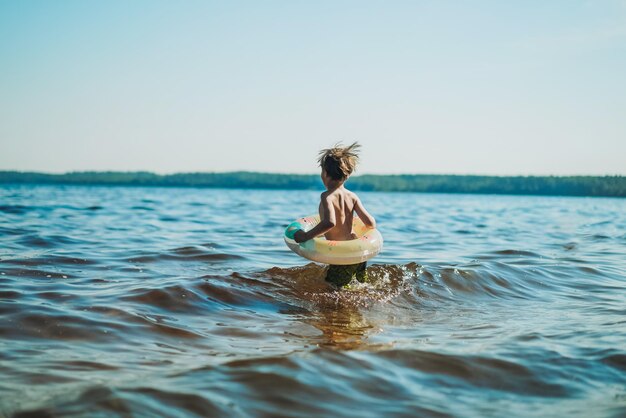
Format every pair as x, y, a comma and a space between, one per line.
342, 275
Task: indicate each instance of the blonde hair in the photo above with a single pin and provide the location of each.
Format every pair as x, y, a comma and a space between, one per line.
339, 162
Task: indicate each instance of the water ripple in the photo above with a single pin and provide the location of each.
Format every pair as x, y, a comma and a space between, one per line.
185, 302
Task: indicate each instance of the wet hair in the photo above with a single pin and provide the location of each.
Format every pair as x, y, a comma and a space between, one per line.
339, 162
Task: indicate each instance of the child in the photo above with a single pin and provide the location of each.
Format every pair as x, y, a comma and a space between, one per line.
336, 209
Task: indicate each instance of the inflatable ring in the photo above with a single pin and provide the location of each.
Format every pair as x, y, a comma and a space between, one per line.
368, 243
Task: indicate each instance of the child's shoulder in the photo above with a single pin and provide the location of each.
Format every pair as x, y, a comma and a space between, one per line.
335, 194
344, 192
351, 194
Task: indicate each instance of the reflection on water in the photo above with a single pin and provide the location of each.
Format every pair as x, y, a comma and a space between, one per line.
344, 329
185, 302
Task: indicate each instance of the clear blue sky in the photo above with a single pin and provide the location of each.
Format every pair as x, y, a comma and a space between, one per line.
468, 87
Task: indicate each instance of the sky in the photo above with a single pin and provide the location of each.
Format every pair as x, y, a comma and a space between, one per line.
435, 87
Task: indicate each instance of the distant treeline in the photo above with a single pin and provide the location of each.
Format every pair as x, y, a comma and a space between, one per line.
519, 185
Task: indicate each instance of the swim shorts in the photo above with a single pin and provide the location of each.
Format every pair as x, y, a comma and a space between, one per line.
342, 275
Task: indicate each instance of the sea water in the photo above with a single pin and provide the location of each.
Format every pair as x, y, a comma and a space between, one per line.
123, 301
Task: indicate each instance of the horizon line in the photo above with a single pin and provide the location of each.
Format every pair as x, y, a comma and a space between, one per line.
304, 174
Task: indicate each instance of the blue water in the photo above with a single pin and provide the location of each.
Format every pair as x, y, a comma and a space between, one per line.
186, 302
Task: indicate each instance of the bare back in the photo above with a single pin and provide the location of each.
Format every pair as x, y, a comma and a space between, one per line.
342, 203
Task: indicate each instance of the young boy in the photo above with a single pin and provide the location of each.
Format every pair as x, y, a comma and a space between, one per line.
336, 209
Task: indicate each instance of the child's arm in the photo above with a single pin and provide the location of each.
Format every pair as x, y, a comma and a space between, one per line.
326, 224
367, 219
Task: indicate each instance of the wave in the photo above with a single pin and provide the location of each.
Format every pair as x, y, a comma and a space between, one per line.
396, 382
203, 253
186, 318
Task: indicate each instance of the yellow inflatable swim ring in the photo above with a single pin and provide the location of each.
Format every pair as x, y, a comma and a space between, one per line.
368, 243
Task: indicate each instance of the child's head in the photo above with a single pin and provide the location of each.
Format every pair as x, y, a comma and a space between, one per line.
339, 162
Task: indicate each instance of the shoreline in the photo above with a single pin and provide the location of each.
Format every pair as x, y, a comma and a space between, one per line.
575, 186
